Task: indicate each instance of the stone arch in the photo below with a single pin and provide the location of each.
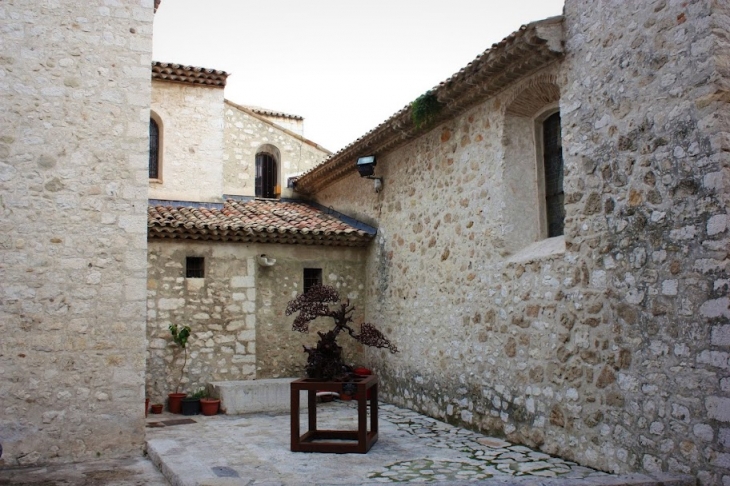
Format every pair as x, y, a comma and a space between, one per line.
268, 168
524, 213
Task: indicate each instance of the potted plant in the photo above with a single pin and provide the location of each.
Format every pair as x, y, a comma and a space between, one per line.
324, 361
208, 405
180, 337
191, 404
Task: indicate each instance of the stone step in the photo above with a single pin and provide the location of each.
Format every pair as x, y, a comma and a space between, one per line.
254, 396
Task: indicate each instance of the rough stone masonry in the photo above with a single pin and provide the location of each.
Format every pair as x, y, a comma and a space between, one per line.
75, 97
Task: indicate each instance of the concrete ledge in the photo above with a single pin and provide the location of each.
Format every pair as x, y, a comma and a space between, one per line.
253, 396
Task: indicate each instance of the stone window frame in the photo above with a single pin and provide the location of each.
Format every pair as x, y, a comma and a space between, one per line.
275, 154
524, 213
194, 266
154, 117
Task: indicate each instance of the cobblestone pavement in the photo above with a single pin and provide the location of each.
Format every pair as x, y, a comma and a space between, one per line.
255, 450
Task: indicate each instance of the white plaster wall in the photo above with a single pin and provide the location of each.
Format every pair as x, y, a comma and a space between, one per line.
75, 92
192, 135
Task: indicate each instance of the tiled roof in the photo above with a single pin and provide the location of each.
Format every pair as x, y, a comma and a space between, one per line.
177, 73
533, 47
278, 114
255, 221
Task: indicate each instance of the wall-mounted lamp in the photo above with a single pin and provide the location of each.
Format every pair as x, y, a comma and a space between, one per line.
366, 168
265, 261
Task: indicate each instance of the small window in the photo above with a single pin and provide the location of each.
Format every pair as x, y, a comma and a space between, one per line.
265, 175
194, 267
312, 277
154, 150
554, 195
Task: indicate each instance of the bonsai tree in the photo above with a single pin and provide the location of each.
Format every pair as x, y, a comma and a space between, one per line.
324, 361
180, 337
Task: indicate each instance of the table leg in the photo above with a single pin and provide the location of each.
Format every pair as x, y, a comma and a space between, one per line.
312, 412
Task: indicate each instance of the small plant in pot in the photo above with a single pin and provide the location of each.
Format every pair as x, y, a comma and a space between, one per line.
209, 405
324, 361
191, 404
180, 335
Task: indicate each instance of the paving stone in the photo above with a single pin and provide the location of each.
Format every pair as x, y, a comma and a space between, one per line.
419, 450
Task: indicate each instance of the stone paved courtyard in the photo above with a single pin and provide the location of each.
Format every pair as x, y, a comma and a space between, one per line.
412, 448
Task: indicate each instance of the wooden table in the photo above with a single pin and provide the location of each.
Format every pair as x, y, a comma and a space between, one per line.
335, 441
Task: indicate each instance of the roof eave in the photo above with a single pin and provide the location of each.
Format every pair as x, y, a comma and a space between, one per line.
533, 47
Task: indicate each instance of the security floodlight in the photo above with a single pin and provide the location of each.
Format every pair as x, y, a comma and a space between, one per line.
366, 165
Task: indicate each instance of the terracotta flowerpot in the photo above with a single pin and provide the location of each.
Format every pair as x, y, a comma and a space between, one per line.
156, 408
174, 402
362, 371
146, 406
209, 406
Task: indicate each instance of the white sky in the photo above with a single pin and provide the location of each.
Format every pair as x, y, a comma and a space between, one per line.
345, 66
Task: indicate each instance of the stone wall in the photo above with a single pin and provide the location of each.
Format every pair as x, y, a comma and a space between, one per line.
191, 135
245, 135
646, 120
75, 91
236, 312
608, 345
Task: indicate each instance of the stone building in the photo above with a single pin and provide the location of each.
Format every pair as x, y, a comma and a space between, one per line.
581, 308
226, 249
75, 97
552, 248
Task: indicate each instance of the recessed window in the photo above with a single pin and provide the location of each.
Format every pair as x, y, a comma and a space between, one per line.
265, 175
154, 165
554, 195
312, 277
194, 267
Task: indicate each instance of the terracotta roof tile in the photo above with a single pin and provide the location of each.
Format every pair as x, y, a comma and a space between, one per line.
256, 221
177, 73
277, 114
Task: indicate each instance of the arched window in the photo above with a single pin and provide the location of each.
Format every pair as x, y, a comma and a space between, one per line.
155, 146
266, 172
553, 163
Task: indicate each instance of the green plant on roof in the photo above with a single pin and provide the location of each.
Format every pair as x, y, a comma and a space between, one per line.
425, 109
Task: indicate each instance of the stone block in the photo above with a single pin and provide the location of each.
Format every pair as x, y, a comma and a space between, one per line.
718, 408
721, 335
252, 396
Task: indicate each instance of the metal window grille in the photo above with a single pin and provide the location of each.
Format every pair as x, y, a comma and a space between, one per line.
312, 277
265, 175
194, 267
154, 150
554, 195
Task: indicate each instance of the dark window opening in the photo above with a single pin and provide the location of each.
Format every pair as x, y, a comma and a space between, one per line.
312, 277
265, 175
554, 195
194, 267
154, 150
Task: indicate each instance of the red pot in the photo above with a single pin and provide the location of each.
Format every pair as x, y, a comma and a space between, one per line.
209, 406
174, 402
146, 406
362, 371
156, 408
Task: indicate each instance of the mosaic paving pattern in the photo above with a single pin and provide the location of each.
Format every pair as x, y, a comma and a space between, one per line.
483, 457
